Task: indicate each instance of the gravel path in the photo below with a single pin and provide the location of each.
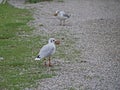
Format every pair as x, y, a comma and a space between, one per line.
95, 26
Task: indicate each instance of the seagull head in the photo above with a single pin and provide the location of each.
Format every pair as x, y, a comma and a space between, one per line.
51, 40
54, 41
56, 13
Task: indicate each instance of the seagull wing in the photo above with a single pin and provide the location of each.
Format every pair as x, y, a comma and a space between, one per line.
47, 50
63, 15
66, 15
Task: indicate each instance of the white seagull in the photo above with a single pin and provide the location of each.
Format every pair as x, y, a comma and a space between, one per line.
62, 16
48, 50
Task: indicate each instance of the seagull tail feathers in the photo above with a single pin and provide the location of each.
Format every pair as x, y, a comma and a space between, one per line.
69, 15
38, 58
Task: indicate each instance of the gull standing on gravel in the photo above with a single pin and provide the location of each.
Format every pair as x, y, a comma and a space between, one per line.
62, 16
48, 50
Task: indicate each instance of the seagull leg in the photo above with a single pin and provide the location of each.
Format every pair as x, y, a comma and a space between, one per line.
45, 62
60, 22
63, 22
49, 62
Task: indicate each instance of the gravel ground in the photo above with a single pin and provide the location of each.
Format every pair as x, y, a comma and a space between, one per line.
95, 26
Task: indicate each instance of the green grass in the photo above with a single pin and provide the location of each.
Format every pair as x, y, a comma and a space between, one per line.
18, 47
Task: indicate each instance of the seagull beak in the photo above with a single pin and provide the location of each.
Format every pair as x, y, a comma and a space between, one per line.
57, 42
55, 14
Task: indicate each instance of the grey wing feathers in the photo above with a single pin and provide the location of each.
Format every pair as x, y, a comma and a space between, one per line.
66, 15
46, 50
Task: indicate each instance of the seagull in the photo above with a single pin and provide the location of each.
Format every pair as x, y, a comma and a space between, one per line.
48, 50
62, 16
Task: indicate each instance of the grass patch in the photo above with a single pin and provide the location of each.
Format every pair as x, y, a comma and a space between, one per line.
18, 47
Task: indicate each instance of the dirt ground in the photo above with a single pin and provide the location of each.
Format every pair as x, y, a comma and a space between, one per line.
95, 26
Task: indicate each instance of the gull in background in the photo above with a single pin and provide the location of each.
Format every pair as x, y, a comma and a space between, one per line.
62, 16
48, 50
